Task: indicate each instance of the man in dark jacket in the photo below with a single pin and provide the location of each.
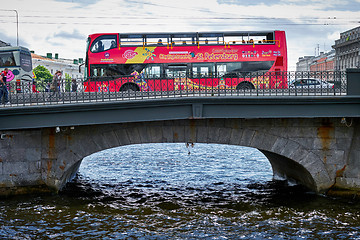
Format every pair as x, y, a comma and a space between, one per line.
4, 94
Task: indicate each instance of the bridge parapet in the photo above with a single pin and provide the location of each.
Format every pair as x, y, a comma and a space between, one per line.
315, 84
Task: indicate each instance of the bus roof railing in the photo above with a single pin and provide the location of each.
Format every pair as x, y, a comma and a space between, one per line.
199, 43
197, 38
201, 34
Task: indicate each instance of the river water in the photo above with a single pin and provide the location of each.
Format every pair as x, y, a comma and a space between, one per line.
169, 191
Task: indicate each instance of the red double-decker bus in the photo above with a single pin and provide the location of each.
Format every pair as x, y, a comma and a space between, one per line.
181, 61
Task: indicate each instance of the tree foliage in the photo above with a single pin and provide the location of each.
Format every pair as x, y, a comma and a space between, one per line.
42, 73
67, 82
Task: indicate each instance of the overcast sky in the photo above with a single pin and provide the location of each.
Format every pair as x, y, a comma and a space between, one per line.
62, 26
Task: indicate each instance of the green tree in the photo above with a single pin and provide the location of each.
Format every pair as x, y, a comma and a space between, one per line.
42, 77
42, 73
67, 82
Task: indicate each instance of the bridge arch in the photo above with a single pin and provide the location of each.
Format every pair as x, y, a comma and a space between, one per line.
287, 155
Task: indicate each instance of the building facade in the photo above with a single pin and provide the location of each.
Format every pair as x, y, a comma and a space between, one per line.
346, 54
323, 62
303, 64
347, 50
66, 66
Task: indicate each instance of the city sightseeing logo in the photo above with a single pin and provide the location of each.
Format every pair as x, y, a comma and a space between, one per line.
107, 58
129, 54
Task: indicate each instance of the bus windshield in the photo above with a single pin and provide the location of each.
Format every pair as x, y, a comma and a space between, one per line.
7, 59
16, 58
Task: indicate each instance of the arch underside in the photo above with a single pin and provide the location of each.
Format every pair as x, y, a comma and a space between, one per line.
289, 169
288, 158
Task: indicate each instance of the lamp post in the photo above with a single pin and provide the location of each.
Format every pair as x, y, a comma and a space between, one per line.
17, 28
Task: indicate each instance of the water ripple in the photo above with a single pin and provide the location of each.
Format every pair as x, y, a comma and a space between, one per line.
159, 191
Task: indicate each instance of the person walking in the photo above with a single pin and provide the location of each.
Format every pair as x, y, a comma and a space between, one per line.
4, 94
73, 85
55, 85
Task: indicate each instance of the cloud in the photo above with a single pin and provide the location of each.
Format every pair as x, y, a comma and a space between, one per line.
342, 6
249, 2
80, 2
75, 34
7, 39
63, 25
13, 39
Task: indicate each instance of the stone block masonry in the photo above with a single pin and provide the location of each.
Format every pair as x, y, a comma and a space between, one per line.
320, 153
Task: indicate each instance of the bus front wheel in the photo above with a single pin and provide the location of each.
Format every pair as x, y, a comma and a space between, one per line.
245, 86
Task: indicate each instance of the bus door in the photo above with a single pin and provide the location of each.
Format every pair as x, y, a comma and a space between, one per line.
177, 75
176, 70
203, 76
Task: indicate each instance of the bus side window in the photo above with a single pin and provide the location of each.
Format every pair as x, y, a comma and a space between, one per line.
176, 70
221, 69
97, 47
153, 71
203, 69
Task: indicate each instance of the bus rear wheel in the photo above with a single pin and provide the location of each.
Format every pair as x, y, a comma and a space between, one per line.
245, 86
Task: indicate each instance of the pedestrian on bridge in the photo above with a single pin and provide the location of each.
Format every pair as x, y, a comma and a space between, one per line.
55, 85
73, 85
4, 94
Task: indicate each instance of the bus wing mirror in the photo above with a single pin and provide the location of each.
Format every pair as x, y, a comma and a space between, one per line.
80, 67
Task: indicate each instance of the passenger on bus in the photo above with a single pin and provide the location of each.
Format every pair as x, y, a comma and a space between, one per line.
100, 46
160, 42
113, 44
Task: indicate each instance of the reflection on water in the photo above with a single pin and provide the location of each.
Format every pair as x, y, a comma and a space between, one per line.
159, 191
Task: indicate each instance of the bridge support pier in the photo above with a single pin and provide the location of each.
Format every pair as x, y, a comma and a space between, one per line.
286, 168
320, 153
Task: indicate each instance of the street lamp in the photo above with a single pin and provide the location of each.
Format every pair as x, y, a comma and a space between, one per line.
17, 25
17, 28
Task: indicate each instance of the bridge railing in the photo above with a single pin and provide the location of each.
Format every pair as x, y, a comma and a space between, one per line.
245, 84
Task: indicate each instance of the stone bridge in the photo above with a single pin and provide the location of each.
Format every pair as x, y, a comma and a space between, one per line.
315, 141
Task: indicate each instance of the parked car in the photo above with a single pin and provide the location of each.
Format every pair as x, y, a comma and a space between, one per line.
310, 83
